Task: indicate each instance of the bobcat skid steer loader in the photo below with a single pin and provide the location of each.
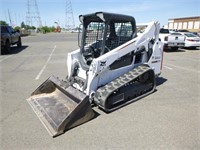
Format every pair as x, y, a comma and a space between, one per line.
113, 67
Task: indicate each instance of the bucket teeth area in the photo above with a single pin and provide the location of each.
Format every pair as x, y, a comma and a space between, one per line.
60, 107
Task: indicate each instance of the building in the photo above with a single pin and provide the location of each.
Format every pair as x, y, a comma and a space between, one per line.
188, 23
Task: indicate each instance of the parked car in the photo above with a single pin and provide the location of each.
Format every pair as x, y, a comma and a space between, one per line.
191, 40
196, 33
182, 30
172, 30
171, 40
9, 37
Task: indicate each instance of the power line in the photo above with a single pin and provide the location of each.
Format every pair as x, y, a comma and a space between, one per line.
69, 20
32, 14
10, 20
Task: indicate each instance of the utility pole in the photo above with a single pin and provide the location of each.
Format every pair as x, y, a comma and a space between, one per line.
9, 17
32, 14
69, 20
6, 17
16, 21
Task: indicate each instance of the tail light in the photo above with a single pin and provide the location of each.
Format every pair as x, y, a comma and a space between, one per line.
190, 40
166, 38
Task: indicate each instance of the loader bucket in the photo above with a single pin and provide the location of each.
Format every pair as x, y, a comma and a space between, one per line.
59, 106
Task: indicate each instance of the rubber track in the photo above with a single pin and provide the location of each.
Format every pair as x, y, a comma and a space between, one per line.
104, 92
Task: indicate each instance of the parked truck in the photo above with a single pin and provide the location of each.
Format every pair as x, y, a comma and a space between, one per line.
9, 37
171, 40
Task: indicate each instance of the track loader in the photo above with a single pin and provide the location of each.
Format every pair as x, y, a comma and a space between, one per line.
113, 67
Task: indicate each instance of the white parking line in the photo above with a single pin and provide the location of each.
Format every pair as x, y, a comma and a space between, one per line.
186, 69
5, 58
168, 67
45, 65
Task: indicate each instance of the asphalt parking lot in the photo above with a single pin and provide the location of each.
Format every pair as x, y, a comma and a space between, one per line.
167, 119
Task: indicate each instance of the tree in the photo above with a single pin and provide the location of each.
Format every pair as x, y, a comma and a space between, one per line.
17, 28
33, 27
46, 29
3, 22
23, 25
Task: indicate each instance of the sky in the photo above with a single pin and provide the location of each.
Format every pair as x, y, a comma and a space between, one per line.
143, 11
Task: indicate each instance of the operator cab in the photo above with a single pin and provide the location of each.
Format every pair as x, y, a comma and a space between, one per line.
103, 32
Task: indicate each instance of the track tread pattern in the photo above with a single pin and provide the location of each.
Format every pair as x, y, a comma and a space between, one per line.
104, 92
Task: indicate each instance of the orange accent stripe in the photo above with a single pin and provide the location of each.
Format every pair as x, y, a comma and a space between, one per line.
162, 59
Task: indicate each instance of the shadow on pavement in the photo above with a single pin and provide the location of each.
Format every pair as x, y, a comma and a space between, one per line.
160, 81
192, 48
14, 50
169, 50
